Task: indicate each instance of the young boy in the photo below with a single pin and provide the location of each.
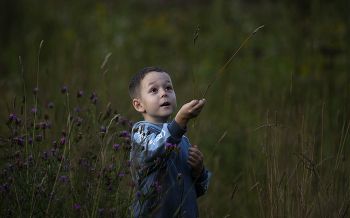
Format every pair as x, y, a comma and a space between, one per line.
176, 178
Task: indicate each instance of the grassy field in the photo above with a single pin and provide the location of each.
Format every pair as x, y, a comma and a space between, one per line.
283, 99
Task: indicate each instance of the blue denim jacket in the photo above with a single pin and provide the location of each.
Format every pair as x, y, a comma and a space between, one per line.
178, 193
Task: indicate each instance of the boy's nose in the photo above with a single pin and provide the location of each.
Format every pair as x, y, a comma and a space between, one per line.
163, 93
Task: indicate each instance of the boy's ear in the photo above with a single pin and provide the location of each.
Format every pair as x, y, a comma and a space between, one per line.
138, 106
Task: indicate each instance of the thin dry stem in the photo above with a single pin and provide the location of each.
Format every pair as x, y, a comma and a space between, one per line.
230, 60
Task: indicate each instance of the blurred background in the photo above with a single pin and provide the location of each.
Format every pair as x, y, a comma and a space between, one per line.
294, 69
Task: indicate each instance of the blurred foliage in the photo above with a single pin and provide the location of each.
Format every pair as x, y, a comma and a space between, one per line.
305, 39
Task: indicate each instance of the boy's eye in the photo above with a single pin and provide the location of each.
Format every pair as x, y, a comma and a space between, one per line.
153, 90
169, 88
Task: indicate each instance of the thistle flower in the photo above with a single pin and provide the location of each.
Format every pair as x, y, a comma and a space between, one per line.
43, 125
30, 140
158, 160
95, 100
11, 117
154, 184
80, 93
34, 110
64, 89
110, 168
50, 105
17, 121
76, 206
15, 131
63, 179
101, 134
159, 189
46, 155
103, 129
54, 144
80, 135
121, 176
116, 146
138, 193
79, 121
131, 123
63, 140
35, 90
38, 138
77, 109
53, 152
128, 163
48, 124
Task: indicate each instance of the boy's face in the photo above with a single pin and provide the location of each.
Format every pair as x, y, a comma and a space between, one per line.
157, 99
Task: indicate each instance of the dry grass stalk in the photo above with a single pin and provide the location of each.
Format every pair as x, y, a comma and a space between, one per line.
291, 83
106, 60
231, 59
233, 191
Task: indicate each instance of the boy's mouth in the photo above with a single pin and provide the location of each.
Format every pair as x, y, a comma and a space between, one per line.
165, 104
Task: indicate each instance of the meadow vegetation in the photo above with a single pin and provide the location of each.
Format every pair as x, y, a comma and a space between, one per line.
283, 102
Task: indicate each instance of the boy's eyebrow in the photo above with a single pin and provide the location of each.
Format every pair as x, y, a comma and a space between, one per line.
156, 81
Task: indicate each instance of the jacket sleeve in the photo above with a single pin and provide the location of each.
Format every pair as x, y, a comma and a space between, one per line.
154, 143
202, 182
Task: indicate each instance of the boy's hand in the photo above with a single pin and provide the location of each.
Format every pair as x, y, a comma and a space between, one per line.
195, 160
189, 111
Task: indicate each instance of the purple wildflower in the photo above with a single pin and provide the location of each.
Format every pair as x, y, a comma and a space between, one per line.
38, 138
35, 90
128, 163
100, 211
30, 156
124, 121
63, 140
46, 155
77, 109
4, 173
50, 105
54, 144
87, 184
139, 194
158, 160
154, 184
64, 89
103, 129
95, 100
101, 134
110, 168
49, 124
43, 125
30, 140
63, 179
121, 176
116, 146
10, 167
18, 121
131, 123
34, 110
76, 206
11, 117
15, 131
80, 93
53, 152
159, 189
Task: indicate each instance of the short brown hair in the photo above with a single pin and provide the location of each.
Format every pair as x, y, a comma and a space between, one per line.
134, 86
